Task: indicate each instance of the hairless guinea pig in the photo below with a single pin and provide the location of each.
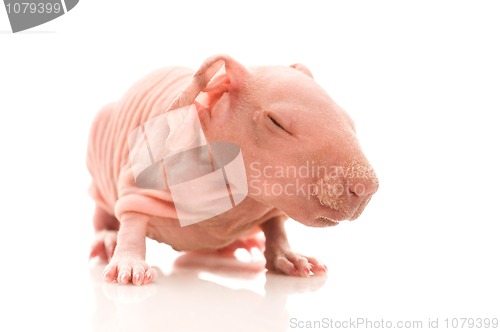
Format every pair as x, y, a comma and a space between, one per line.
298, 151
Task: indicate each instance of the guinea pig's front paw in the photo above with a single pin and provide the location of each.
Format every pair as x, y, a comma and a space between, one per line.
293, 264
127, 268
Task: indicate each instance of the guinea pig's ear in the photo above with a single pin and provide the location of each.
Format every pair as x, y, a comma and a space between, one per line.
300, 67
227, 82
212, 79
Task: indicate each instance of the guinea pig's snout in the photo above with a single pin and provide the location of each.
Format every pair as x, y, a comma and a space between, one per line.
363, 187
362, 183
347, 191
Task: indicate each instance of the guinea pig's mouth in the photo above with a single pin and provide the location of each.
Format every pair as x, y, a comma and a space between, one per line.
323, 221
360, 209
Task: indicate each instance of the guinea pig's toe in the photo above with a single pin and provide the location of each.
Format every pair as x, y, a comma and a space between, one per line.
138, 275
149, 276
110, 273
301, 264
297, 265
124, 275
317, 267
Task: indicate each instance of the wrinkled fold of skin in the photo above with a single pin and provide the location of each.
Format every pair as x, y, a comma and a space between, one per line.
300, 152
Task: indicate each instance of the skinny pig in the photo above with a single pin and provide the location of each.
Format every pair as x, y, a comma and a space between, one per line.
280, 118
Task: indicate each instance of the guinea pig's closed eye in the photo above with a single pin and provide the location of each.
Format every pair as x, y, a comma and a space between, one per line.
277, 123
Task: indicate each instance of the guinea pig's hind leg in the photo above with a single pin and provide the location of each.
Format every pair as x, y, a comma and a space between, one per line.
106, 229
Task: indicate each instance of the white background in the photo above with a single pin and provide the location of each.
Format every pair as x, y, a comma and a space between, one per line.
420, 78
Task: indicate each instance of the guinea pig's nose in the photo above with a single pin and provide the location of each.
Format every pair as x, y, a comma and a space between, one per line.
364, 187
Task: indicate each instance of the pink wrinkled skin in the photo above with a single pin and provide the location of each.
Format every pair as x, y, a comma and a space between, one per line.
280, 118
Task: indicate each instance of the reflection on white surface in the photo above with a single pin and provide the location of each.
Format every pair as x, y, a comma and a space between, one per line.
201, 293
